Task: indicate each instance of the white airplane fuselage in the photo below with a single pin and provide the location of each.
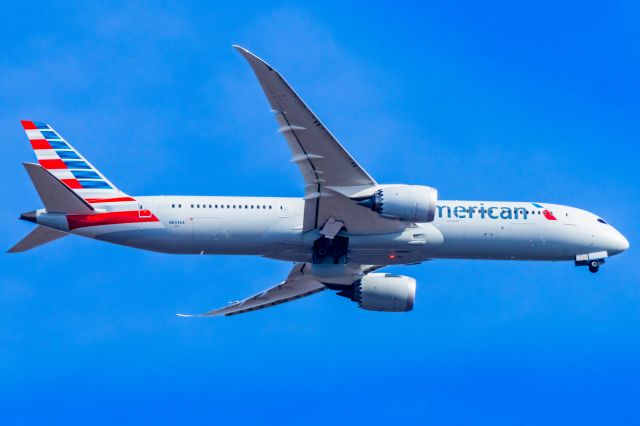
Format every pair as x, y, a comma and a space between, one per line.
272, 227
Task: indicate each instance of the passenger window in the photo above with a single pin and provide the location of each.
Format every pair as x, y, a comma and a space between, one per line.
173, 206
179, 206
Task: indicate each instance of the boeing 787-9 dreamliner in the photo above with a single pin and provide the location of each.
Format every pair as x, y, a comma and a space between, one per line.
345, 228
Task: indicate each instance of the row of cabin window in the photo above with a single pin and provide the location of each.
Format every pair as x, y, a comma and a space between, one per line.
533, 212
221, 206
538, 212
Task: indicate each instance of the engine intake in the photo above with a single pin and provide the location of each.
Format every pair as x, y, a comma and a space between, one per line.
382, 292
409, 203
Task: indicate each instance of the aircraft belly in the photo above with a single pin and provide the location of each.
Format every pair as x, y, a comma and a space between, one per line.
225, 235
154, 238
471, 239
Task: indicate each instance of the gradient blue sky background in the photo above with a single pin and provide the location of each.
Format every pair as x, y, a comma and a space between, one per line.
500, 102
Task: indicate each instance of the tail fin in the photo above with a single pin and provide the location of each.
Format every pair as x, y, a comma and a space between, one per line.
37, 237
68, 166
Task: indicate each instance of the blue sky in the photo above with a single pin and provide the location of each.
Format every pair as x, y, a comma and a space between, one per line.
500, 102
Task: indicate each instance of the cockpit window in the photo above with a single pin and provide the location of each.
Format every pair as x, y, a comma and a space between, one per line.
602, 221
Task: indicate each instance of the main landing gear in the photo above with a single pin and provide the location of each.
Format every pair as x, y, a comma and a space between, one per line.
594, 266
333, 250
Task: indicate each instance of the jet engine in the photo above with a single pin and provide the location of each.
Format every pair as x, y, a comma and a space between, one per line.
409, 203
382, 292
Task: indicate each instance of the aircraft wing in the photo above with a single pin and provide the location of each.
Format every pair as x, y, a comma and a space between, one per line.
299, 283
296, 285
327, 168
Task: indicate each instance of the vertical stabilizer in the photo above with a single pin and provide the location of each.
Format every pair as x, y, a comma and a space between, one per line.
66, 164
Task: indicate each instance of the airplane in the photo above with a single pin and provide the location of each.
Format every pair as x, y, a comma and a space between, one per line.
345, 228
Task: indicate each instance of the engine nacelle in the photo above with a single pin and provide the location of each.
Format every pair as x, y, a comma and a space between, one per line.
385, 292
409, 203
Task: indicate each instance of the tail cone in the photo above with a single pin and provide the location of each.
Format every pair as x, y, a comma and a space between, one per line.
29, 216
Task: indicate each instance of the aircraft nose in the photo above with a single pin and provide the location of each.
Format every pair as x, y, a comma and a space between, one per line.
624, 243
619, 243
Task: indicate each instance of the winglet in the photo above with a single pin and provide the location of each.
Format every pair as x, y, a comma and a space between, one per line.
240, 49
253, 59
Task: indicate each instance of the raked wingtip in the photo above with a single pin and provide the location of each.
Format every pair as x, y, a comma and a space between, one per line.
240, 48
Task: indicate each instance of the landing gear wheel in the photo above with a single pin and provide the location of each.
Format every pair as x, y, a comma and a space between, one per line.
327, 250
594, 266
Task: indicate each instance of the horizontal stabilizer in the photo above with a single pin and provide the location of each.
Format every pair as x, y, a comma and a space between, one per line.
37, 237
55, 195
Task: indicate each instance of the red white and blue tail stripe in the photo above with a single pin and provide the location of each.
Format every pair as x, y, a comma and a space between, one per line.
64, 162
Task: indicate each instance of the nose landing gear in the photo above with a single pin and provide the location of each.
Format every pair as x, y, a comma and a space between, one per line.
592, 260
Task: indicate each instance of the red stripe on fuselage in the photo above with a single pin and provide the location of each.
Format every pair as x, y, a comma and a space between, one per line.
111, 218
108, 200
52, 164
